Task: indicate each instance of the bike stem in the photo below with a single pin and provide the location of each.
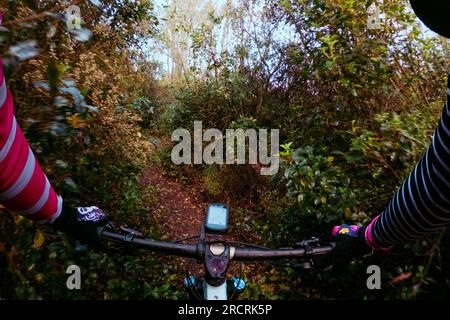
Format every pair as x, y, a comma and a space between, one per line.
217, 259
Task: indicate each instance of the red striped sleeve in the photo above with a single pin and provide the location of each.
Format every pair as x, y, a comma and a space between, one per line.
24, 188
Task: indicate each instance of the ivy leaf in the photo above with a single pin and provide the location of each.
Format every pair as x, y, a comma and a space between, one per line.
82, 34
51, 31
41, 84
24, 50
96, 3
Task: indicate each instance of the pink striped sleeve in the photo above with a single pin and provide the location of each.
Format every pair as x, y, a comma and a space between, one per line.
24, 188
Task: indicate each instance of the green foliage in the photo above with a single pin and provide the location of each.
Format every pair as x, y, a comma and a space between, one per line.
92, 155
320, 187
145, 108
356, 108
394, 147
112, 273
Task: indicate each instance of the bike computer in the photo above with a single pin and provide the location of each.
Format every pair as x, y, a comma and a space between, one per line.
217, 218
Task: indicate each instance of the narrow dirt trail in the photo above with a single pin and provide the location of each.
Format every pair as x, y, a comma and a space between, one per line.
180, 208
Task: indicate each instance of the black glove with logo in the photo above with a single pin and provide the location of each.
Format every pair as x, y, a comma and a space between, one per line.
82, 223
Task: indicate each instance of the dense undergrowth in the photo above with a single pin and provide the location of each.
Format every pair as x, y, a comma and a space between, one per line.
356, 109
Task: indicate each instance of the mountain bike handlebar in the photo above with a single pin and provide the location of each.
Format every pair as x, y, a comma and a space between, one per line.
171, 248
236, 253
216, 253
255, 254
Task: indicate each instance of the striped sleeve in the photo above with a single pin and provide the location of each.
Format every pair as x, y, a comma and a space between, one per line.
421, 207
24, 188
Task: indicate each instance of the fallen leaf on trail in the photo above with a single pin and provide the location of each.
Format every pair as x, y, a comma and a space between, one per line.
38, 240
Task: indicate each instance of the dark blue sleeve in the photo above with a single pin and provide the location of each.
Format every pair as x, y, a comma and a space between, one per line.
421, 206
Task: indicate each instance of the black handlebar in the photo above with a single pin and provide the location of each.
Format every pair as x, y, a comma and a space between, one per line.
253, 254
177, 249
239, 254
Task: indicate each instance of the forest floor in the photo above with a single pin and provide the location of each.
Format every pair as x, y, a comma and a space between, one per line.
180, 210
180, 207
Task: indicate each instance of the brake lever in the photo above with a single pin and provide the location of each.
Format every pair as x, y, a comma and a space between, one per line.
128, 236
307, 243
131, 231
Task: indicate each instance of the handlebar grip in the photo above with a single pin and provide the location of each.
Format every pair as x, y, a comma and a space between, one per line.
253, 254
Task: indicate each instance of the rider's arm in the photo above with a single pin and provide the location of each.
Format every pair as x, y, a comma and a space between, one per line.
24, 188
421, 207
